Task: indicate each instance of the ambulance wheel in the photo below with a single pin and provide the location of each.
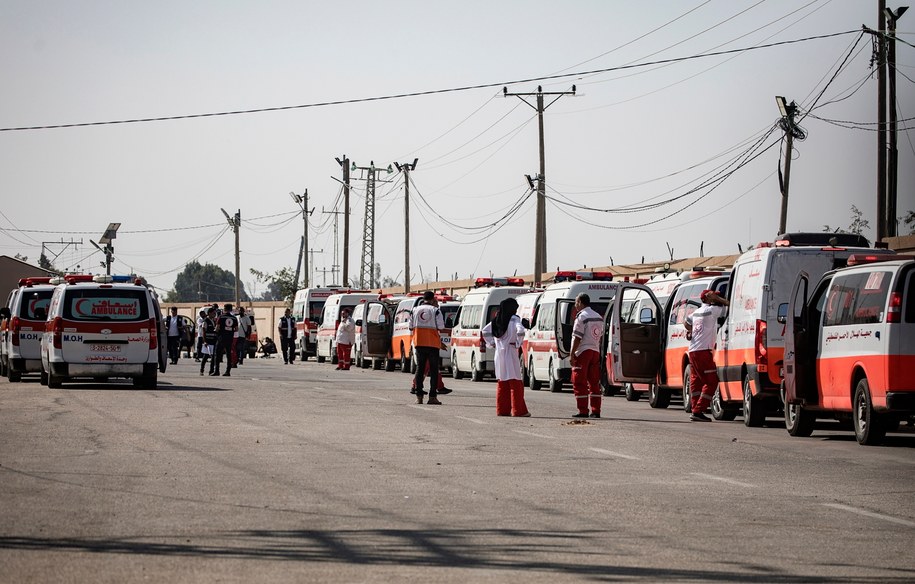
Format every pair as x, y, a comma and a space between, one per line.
413, 365
555, 383
754, 411
476, 374
14, 376
320, 359
798, 421
631, 394
55, 381
404, 362
609, 390
389, 364
3, 367
43, 379
869, 425
720, 410
525, 376
455, 372
687, 399
658, 397
536, 384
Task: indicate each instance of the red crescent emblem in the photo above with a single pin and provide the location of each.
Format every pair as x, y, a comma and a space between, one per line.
78, 307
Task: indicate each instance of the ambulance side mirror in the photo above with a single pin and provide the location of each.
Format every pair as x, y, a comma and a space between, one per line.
525, 323
449, 322
782, 317
646, 316
5, 313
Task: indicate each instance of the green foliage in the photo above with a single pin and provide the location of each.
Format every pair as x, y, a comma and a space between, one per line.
857, 226
281, 285
204, 284
21, 257
45, 264
909, 221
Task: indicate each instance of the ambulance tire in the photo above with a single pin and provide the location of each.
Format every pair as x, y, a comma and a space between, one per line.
389, 364
455, 372
754, 410
687, 405
413, 365
43, 379
525, 376
658, 397
609, 390
536, 384
404, 362
631, 394
320, 359
3, 367
55, 381
476, 374
720, 410
870, 428
798, 421
555, 382
14, 376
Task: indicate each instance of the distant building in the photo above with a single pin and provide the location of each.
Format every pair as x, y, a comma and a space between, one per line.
11, 270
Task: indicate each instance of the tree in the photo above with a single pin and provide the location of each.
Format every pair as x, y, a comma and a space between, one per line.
909, 221
21, 257
204, 284
45, 264
857, 226
281, 285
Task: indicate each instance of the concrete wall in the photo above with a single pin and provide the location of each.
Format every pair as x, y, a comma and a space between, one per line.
11, 270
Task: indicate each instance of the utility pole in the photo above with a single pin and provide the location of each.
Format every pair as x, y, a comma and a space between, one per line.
302, 202
335, 265
788, 111
540, 230
881, 120
405, 168
892, 178
235, 223
346, 168
313, 252
367, 272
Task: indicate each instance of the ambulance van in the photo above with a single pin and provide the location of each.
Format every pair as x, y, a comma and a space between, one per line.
374, 325
101, 327
307, 308
528, 305
751, 341
28, 309
326, 345
850, 347
550, 339
402, 336
477, 308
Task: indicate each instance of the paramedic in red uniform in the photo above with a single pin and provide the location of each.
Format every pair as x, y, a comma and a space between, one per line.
426, 321
702, 330
346, 335
505, 332
585, 357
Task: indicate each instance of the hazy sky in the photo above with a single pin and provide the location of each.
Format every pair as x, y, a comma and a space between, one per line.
636, 134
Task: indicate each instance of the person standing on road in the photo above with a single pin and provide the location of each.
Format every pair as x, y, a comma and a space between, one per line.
702, 331
174, 328
202, 317
287, 336
506, 333
207, 332
346, 336
226, 325
426, 321
244, 331
585, 357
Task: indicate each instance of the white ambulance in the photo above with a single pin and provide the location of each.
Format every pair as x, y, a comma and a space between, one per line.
850, 347
28, 308
528, 305
101, 327
326, 345
374, 325
477, 308
751, 341
550, 337
402, 336
307, 308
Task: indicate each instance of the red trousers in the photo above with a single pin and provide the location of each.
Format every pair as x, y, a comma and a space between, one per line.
586, 382
343, 361
510, 398
703, 380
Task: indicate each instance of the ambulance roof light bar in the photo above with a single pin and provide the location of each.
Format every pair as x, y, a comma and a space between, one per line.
509, 281
579, 276
861, 259
32, 281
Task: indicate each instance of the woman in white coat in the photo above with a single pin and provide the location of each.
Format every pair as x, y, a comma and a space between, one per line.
505, 332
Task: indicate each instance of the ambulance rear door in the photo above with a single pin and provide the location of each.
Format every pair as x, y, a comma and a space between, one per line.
792, 316
565, 319
161, 333
635, 343
107, 326
377, 323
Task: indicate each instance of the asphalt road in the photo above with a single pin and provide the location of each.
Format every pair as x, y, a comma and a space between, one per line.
301, 473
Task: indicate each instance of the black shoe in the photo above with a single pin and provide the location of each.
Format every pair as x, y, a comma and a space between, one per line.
413, 391
434, 402
444, 391
595, 415
700, 417
580, 415
214, 373
227, 374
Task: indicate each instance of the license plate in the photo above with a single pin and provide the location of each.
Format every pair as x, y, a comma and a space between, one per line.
105, 348
446, 340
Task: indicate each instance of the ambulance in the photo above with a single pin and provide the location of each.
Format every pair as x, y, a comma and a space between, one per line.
528, 305
307, 308
100, 327
751, 341
850, 347
28, 309
374, 325
550, 338
402, 336
477, 309
326, 345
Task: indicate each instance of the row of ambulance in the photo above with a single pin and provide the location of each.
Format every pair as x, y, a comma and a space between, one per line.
819, 326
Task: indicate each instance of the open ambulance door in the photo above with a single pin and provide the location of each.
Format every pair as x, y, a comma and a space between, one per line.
378, 326
635, 338
161, 338
565, 318
797, 362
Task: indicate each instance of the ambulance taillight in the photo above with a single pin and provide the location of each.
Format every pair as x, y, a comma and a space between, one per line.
760, 350
57, 331
15, 327
153, 335
894, 314
482, 344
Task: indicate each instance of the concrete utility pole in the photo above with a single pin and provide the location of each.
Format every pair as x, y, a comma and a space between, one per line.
313, 252
540, 230
405, 168
892, 178
235, 223
367, 272
335, 266
302, 202
788, 112
881, 120
346, 210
